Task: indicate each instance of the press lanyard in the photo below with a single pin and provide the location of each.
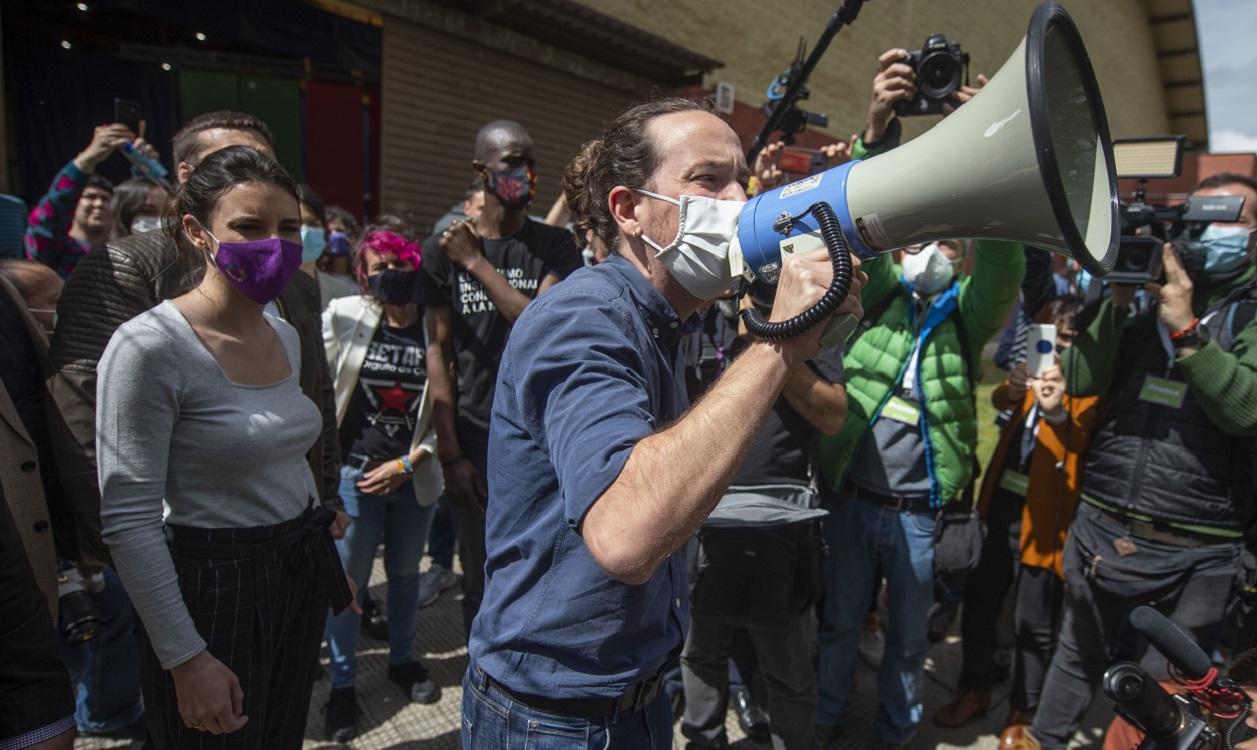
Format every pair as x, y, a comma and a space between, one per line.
935, 312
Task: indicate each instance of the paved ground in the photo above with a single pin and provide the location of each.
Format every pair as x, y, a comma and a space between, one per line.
389, 722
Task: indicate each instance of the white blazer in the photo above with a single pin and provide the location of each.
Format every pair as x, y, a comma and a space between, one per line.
349, 324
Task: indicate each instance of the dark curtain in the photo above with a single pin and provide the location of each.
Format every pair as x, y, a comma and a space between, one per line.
58, 96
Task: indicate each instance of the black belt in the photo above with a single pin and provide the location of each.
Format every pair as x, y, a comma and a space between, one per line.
896, 502
1154, 531
638, 696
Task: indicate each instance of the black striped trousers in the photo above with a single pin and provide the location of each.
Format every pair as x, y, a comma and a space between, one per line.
259, 598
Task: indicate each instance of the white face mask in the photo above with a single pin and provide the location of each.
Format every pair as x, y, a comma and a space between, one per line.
142, 224
699, 256
929, 271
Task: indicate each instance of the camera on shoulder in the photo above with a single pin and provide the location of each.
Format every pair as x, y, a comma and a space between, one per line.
941, 67
1146, 225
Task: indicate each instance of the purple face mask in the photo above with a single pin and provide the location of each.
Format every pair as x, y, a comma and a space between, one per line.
259, 269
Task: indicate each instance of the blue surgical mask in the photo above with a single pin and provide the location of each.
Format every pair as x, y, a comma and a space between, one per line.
313, 240
1225, 248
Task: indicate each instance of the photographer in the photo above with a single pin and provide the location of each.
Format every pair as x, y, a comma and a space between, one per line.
1171, 471
593, 482
905, 451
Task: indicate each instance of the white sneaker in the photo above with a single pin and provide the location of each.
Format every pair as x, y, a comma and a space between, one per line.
872, 647
432, 582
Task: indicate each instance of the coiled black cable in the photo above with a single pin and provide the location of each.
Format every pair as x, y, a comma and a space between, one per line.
840, 256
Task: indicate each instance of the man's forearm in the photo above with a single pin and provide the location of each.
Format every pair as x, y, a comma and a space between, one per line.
822, 403
509, 301
663, 494
441, 394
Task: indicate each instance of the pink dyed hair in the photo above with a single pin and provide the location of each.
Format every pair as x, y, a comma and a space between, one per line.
385, 242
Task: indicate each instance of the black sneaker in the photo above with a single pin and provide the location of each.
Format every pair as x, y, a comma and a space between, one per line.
341, 715
374, 624
415, 682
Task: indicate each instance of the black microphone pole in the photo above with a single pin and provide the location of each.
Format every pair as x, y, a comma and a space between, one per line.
842, 17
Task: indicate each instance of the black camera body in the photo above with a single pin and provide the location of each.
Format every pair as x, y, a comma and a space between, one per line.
1139, 255
941, 67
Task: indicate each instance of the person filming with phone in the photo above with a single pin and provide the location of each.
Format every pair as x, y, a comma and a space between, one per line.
1172, 467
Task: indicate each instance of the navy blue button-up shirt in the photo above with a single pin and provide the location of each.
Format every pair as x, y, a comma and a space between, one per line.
591, 367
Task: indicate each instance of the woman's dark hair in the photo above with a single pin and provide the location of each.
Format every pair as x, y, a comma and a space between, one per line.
1059, 311
336, 213
311, 200
128, 198
216, 174
624, 155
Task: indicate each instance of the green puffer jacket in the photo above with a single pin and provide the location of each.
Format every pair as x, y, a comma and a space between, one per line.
877, 359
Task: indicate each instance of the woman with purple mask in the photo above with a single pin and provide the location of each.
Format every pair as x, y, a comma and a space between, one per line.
199, 410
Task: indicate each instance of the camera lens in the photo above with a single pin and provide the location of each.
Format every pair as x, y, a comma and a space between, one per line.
938, 75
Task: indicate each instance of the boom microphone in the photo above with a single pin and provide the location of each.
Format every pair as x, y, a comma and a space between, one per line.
1170, 640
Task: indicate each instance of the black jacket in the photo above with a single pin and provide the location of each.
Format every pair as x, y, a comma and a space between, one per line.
114, 284
1169, 464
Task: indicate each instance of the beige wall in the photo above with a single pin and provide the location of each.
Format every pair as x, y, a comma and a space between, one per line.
756, 39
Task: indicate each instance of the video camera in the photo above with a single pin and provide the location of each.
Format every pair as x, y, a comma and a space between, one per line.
1181, 721
938, 65
1139, 255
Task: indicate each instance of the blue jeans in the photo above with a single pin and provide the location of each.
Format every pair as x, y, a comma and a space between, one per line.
405, 527
105, 671
865, 538
492, 720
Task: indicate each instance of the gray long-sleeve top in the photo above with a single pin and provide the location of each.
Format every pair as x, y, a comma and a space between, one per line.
171, 426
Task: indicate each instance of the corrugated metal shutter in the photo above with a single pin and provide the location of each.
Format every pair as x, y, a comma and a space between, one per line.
438, 90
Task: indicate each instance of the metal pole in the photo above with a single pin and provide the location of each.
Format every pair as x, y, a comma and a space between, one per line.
841, 17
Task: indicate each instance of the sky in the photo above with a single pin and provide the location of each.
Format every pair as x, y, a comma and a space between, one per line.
1227, 32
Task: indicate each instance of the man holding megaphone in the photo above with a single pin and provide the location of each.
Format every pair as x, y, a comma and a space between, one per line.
598, 474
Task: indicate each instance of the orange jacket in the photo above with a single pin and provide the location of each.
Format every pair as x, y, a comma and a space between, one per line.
1052, 493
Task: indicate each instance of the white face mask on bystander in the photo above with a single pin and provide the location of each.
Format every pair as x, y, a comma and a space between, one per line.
929, 271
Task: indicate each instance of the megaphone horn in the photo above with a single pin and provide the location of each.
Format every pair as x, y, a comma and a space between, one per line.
1028, 159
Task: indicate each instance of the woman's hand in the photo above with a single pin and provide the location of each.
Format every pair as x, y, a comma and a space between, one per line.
209, 695
384, 479
340, 525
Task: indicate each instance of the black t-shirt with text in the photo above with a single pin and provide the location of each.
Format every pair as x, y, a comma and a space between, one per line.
380, 420
783, 447
479, 331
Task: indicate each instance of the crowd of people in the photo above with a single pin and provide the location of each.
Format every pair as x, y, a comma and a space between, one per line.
221, 395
